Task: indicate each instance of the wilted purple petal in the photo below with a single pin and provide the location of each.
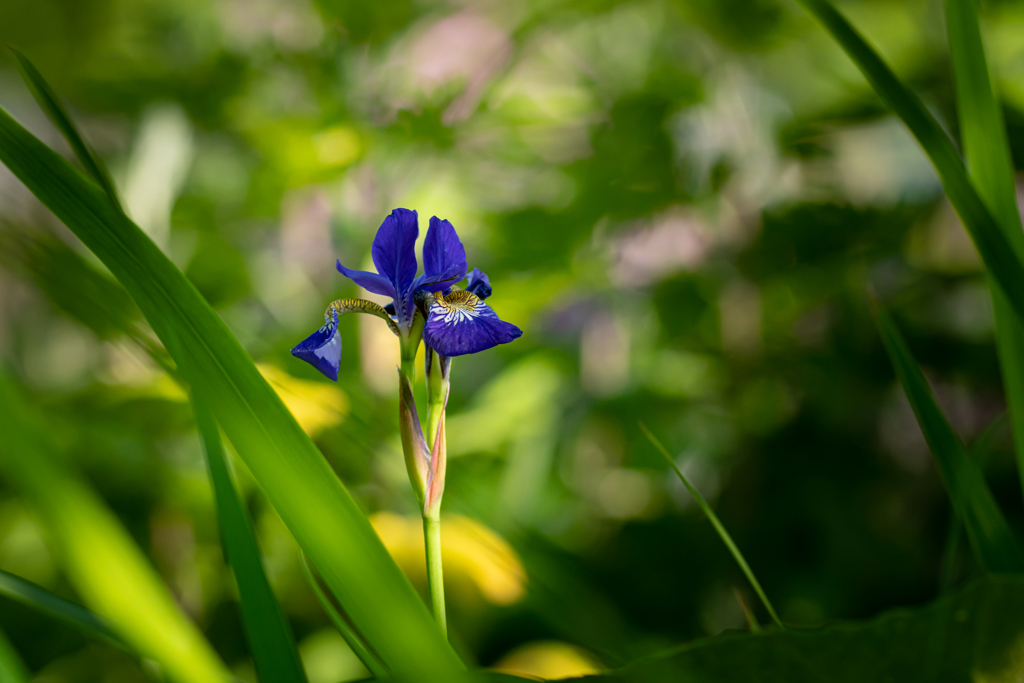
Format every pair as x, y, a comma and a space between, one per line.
460, 323
322, 349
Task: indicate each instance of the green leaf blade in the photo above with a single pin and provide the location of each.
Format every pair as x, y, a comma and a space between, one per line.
297, 481
42, 600
990, 536
996, 250
720, 529
984, 138
270, 637
48, 101
106, 567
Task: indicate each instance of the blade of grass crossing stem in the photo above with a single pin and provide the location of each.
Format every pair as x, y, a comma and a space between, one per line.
106, 567
12, 669
42, 600
1000, 259
270, 637
47, 100
298, 482
354, 640
990, 536
985, 144
715, 522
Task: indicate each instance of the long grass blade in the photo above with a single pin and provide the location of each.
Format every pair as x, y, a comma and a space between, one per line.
354, 640
999, 256
270, 637
104, 564
298, 482
715, 522
12, 669
987, 150
42, 600
50, 104
989, 534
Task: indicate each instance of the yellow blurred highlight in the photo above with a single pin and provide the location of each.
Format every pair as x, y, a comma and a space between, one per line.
317, 406
548, 660
336, 147
471, 552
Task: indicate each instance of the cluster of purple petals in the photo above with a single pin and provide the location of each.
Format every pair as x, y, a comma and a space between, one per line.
444, 265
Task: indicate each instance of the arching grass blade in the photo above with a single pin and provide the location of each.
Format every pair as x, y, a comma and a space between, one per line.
270, 637
298, 482
719, 527
47, 100
989, 534
999, 256
985, 145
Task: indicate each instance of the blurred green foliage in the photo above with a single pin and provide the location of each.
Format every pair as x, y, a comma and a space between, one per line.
681, 204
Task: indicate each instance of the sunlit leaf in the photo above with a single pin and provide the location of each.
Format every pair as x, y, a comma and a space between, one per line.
104, 564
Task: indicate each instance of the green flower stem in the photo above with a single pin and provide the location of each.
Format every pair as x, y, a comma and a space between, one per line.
435, 573
437, 393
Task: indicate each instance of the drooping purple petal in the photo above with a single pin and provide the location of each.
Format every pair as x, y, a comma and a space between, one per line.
322, 349
479, 284
371, 282
443, 251
394, 249
460, 323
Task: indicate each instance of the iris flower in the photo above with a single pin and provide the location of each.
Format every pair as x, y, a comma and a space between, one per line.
458, 322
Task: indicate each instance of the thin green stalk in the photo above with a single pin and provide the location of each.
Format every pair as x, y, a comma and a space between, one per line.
1000, 257
987, 151
369, 659
437, 375
719, 527
435, 573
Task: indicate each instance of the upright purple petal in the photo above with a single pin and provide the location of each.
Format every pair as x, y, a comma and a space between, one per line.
460, 323
479, 284
322, 349
443, 252
394, 249
371, 282
440, 282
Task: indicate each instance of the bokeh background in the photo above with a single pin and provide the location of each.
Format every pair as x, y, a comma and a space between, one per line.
683, 204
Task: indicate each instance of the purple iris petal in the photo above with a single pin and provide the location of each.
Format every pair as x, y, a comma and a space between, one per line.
461, 323
394, 254
371, 282
442, 249
322, 349
479, 284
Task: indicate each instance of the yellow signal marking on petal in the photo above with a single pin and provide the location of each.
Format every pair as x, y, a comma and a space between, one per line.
457, 306
343, 306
